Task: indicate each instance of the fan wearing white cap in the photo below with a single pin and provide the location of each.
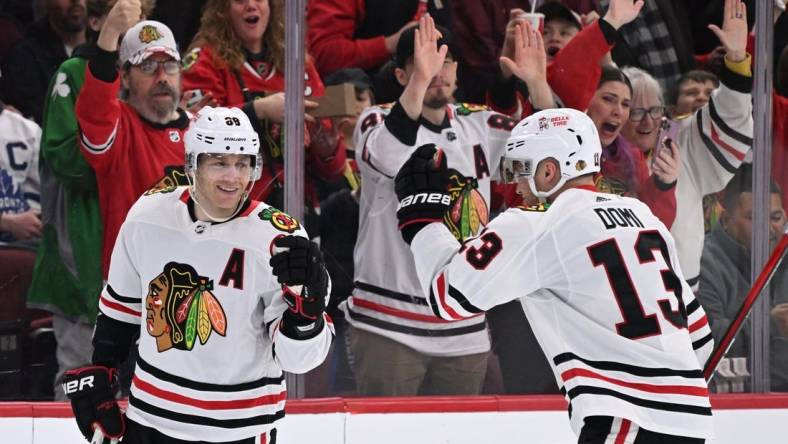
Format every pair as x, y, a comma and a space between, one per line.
149, 60
550, 151
222, 162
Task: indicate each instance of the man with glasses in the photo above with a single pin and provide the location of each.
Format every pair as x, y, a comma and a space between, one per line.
135, 143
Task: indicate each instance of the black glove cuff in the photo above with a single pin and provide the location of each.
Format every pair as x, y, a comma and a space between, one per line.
410, 230
298, 327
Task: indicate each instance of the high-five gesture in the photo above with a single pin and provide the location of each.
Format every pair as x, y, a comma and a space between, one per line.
622, 12
733, 34
530, 59
427, 57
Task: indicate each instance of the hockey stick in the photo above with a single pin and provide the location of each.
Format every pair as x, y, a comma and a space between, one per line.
763, 278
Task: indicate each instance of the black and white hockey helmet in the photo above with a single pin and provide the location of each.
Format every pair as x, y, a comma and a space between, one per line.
567, 135
222, 131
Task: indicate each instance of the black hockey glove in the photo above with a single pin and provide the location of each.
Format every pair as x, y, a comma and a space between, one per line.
301, 265
91, 391
422, 189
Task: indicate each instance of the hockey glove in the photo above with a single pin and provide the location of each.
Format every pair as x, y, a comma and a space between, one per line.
305, 284
422, 189
90, 390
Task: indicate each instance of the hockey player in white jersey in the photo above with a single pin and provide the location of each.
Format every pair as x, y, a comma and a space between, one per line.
219, 316
400, 348
597, 274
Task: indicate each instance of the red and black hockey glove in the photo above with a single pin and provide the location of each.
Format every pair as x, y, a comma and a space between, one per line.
305, 284
92, 395
422, 189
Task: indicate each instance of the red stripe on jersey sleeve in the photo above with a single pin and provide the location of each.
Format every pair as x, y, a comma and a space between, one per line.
651, 388
442, 298
119, 307
209, 405
716, 138
700, 323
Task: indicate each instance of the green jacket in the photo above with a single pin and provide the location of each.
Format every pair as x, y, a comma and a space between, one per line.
67, 276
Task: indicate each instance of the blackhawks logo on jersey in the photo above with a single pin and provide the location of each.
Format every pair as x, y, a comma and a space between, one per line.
610, 185
174, 177
181, 308
540, 208
464, 109
149, 33
281, 221
468, 212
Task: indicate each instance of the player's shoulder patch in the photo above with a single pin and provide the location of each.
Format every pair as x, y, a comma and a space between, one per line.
540, 208
465, 109
190, 58
174, 177
279, 219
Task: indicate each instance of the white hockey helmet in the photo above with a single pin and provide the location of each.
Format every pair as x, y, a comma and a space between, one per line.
222, 131
567, 135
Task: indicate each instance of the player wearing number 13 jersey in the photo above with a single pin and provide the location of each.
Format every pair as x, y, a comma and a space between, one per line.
599, 280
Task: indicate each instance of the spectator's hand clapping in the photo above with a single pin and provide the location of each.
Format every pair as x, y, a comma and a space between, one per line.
428, 59
666, 164
22, 226
733, 34
622, 12
123, 15
530, 58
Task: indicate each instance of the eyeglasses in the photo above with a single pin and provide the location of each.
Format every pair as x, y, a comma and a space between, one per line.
637, 114
149, 67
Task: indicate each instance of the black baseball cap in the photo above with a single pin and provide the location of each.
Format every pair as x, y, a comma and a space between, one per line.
405, 45
554, 10
356, 76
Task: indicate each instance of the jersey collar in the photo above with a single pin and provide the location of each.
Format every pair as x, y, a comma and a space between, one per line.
245, 210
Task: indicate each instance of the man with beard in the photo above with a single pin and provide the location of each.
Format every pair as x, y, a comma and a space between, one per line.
29, 65
136, 143
400, 347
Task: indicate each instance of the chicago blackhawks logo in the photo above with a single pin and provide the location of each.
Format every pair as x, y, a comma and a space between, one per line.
149, 33
468, 212
465, 109
280, 220
173, 178
180, 308
611, 185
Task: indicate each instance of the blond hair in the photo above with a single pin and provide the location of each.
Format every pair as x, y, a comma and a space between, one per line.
217, 32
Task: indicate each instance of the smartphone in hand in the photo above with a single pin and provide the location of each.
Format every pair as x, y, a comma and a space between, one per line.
666, 134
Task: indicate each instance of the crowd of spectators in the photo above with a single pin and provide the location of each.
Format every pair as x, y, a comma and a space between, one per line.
95, 99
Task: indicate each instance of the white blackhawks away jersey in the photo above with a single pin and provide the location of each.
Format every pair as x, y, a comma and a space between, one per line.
210, 351
599, 280
387, 299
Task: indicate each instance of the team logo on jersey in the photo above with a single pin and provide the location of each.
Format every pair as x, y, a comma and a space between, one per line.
610, 185
190, 59
149, 33
180, 308
464, 109
541, 208
173, 178
175, 136
280, 220
468, 212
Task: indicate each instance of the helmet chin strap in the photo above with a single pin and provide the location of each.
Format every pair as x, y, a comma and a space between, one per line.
543, 195
192, 179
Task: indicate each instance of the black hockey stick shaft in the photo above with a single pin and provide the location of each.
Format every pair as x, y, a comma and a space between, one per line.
763, 278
